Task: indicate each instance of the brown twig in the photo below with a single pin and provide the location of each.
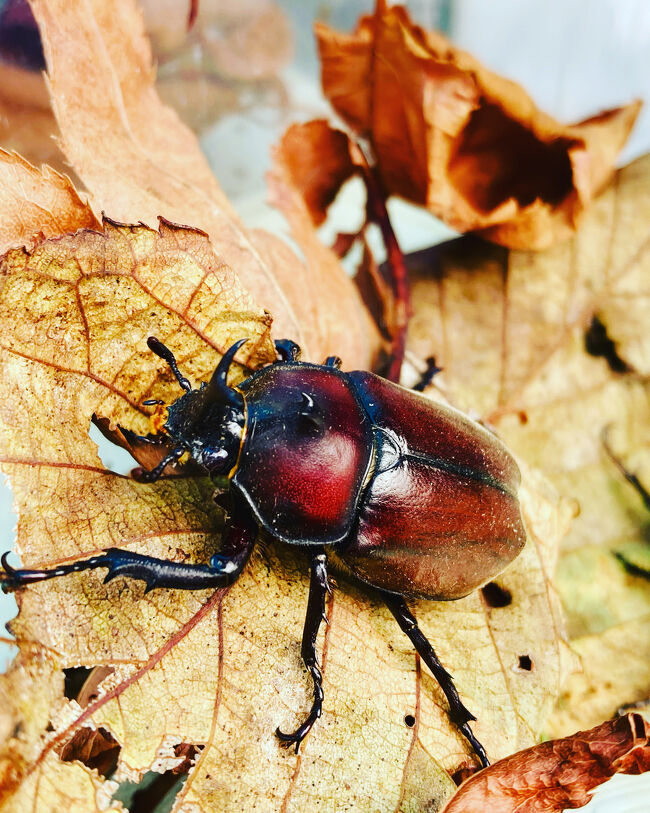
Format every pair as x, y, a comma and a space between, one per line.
398, 278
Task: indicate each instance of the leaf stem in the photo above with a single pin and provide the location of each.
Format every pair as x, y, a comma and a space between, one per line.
398, 278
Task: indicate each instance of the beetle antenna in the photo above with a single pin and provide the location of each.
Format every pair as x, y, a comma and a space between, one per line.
218, 390
166, 355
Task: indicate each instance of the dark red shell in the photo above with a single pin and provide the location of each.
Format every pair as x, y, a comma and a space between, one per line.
419, 499
444, 518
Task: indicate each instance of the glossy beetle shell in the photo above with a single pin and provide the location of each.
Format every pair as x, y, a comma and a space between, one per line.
441, 517
418, 499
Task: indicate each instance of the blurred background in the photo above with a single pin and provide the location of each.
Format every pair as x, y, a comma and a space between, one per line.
248, 68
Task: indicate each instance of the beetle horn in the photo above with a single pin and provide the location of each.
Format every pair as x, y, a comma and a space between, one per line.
218, 390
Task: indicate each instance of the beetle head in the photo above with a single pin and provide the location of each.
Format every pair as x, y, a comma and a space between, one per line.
207, 422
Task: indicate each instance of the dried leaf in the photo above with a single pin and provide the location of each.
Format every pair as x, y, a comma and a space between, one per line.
227, 62
559, 774
462, 141
247, 40
138, 161
319, 288
37, 204
509, 330
223, 670
27, 124
316, 160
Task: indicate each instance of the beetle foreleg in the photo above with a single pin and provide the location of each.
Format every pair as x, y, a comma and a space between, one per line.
318, 589
223, 569
460, 715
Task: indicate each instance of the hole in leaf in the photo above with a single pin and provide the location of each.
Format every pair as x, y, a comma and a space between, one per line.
81, 683
525, 663
96, 748
157, 791
74, 679
114, 457
633, 568
599, 344
495, 595
409, 719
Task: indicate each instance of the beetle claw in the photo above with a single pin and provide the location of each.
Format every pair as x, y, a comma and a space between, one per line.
287, 740
7, 576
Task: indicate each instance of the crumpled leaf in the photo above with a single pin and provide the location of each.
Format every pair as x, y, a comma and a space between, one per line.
138, 162
37, 204
559, 774
466, 143
317, 288
511, 327
220, 670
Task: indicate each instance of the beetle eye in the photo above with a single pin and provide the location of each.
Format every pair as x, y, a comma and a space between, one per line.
310, 415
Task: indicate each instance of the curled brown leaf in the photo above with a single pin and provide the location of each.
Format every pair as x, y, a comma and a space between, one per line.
320, 287
559, 774
466, 143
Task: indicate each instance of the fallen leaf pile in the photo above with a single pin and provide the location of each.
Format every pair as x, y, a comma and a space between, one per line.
115, 693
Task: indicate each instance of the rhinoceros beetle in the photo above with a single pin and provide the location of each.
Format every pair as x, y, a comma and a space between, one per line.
413, 499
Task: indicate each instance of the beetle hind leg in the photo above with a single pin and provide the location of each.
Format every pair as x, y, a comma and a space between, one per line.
458, 713
318, 589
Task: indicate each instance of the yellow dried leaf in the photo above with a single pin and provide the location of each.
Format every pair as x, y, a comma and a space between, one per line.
509, 330
469, 145
221, 671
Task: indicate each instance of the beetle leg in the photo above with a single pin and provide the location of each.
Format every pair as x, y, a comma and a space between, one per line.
150, 440
459, 715
150, 476
287, 350
223, 569
318, 589
333, 361
629, 475
428, 375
